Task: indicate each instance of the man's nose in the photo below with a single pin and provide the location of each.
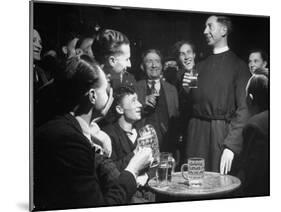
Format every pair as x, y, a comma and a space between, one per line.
139, 104
38, 45
206, 31
154, 64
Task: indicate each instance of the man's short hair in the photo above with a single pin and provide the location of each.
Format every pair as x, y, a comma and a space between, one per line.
119, 95
108, 43
156, 51
258, 87
66, 37
226, 21
121, 92
263, 54
80, 74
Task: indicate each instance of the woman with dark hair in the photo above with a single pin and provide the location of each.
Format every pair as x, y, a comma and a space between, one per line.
65, 170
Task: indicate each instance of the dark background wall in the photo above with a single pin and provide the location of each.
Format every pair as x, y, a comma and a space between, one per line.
147, 28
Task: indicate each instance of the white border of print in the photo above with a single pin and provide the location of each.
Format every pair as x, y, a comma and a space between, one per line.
14, 191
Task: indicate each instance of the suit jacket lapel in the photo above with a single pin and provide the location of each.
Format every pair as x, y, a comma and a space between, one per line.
169, 97
72, 120
142, 91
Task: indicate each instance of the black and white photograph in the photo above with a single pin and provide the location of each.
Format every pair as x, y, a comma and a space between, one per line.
133, 106
140, 105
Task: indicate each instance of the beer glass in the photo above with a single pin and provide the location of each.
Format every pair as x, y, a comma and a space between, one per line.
148, 138
193, 79
195, 171
192, 76
165, 168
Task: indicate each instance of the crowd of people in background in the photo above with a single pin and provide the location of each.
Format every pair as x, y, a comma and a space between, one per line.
88, 109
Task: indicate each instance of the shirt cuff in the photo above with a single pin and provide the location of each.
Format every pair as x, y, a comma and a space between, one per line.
134, 174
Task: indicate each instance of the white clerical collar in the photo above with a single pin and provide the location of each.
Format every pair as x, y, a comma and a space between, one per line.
220, 50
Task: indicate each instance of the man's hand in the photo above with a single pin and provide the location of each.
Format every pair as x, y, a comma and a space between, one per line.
106, 143
142, 180
150, 100
141, 159
226, 161
186, 81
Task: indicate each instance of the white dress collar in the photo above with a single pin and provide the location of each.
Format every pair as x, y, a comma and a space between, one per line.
220, 50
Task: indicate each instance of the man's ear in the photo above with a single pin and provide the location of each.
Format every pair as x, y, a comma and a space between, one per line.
92, 96
64, 49
224, 30
264, 64
119, 109
78, 51
111, 61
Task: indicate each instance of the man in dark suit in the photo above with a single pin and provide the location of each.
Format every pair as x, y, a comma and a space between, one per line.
159, 99
111, 49
258, 59
255, 156
65, 167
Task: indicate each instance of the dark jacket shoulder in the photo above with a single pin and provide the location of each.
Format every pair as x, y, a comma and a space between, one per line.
259, 121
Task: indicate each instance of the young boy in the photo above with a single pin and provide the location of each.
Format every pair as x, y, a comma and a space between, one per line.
122, 132
123, 135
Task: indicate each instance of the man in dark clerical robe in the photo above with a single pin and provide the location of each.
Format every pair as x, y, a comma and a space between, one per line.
219, 111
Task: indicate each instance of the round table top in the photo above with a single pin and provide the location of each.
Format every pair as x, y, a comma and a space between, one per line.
213, 184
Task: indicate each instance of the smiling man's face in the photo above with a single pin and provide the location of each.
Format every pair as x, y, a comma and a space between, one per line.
37, 45
152, 65
131, 107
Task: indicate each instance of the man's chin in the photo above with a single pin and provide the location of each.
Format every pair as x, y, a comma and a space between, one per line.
97, 119
37, 57
209, 41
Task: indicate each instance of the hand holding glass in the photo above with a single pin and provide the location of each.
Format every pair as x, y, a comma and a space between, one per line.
148, 138
190, 79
